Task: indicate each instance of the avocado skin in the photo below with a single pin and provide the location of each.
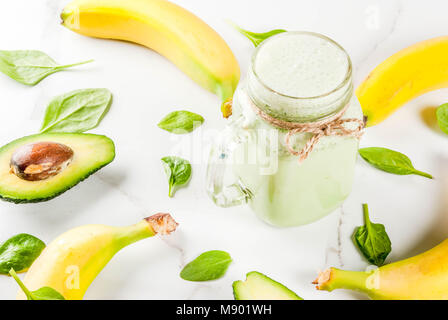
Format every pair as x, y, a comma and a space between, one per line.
20, 201
56, 194
269, 285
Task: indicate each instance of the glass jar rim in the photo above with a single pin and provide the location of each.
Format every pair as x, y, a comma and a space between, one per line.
346, 79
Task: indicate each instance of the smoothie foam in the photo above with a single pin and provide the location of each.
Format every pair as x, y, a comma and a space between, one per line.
301, 65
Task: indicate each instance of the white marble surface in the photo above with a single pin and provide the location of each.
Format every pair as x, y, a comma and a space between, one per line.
146, 87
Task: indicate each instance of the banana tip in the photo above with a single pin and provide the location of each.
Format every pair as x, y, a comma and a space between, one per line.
62, 16
322, 278
162, 223
226, 107
66, 15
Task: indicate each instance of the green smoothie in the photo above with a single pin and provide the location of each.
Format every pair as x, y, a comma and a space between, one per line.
297, 77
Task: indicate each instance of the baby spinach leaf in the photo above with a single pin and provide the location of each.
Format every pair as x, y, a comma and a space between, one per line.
209, 265
442, 117
19, 252
372, 240
181, 122
30, 66
76, 111
390, 161
47, 293
44, 293
177, 170
258, 38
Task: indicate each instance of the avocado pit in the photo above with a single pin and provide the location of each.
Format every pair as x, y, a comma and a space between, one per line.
40, 160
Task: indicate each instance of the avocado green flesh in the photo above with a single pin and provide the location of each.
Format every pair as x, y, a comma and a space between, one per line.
91, 153
260, 287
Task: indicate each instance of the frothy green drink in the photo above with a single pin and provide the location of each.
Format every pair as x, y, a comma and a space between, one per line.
296, 77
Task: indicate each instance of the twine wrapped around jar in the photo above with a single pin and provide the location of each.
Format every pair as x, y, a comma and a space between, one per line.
330, 126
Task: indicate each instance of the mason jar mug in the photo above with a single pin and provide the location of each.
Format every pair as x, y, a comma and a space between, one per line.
290, 147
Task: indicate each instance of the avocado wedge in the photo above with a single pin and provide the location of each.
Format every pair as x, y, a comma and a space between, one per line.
40, 167
260, 287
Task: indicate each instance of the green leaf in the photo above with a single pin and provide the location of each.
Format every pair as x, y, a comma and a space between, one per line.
442, 117
19, 252
76, 111
209, 265
390, 161
181, 122
178, 172
44, 293
30, 66
258, 38
47, 293
372, 240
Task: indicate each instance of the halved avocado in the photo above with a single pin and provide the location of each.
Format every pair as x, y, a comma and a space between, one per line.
260, 287
91, 152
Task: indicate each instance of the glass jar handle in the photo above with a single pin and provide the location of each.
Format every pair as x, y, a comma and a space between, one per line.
222, 186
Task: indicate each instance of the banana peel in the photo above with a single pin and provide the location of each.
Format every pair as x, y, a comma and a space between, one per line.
71, 262
407, 74
422, 277
175, 33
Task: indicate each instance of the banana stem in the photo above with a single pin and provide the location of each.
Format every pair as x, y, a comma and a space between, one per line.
130, 234
161, 223
334, 278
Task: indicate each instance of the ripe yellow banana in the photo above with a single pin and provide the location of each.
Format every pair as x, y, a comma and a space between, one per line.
409, 73
71, 262
166, 28
422, 277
